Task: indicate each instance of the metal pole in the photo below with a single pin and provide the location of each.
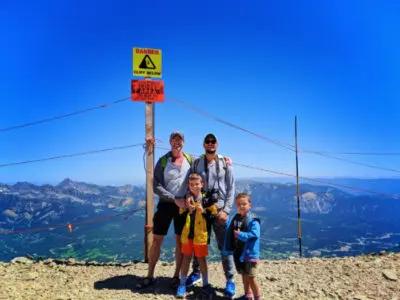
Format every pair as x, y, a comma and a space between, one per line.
297, 189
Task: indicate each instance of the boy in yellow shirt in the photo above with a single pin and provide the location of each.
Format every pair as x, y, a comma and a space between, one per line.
195, 234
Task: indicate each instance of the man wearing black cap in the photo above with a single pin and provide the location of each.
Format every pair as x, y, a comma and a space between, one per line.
170, 184
219, 184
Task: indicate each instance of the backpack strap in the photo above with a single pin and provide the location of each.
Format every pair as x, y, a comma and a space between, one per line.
164, 159
168, 155
196, 163
219, 157
222, 158
217, 167
188, 157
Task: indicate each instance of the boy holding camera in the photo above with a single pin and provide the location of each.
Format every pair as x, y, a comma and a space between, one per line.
195, 234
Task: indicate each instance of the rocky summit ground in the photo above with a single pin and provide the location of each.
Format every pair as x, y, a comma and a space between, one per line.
362, 277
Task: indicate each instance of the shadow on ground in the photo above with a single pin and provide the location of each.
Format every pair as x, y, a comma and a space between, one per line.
129, 282
160, 286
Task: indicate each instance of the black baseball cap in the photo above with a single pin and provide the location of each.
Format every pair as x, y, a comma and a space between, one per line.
210, 135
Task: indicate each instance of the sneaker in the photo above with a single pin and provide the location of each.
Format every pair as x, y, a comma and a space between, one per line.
193, 278
208, 291
229, 289
244, 297
181, 292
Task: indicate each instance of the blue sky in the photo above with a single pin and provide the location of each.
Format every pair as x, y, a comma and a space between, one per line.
256, 64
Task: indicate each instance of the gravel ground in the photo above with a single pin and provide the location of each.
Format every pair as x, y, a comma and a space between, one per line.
363, 277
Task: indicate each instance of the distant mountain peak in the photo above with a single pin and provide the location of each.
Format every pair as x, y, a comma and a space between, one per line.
24, 185
66, 183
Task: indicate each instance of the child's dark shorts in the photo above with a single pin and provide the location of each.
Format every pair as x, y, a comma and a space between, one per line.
248, 268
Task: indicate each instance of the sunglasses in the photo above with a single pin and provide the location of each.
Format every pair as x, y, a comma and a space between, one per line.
210, 142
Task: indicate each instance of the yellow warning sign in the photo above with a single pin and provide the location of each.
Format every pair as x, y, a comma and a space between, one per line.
147, 62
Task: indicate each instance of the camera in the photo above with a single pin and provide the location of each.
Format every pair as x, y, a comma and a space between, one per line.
210, 198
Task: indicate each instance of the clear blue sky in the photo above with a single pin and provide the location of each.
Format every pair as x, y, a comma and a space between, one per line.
256, 64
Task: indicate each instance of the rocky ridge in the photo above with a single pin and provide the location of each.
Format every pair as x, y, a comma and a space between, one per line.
374, 276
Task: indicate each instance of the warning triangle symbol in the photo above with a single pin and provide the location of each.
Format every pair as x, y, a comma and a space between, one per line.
147, 63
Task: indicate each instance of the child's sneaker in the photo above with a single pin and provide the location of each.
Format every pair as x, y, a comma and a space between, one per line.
244, 297
208, 291
193, 278
181, 292
229, 289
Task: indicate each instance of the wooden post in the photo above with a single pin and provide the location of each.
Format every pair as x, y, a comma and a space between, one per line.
148, 235
297, 189
147, 63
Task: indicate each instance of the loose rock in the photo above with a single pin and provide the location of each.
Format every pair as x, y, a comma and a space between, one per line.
390, 275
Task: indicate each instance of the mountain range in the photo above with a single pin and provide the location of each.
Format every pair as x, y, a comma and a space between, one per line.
334, 222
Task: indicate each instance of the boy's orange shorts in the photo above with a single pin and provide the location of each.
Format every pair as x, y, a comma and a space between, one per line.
198, 250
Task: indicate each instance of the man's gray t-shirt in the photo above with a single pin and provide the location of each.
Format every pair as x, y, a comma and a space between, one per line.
175, 186
223, 181
176, 178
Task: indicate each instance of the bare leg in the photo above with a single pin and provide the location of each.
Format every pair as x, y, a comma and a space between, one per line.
154, 254
246, 285
178, 255
185, 265
203, 270
203, 265
254, 286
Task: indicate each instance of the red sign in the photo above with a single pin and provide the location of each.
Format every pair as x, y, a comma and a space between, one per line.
147, 90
